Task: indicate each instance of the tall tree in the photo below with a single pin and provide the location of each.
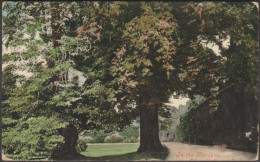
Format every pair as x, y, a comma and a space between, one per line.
145, 69
48, 92
234, 31
164, 51
133, 55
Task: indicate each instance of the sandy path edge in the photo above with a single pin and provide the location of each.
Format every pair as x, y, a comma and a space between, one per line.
180, 151
5, 158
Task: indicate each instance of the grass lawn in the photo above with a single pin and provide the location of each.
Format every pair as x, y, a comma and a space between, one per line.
120, 152
109, 149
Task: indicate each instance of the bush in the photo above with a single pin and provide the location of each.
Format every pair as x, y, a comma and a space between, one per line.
165, 124
99, 138
129, 132
129, 135
114, 138
35, 138
185, 131
179, 133
81, 145
130, 140
107, 139
96, 136
87, 139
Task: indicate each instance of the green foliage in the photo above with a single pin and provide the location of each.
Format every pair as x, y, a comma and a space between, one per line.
185, 130
239, 27
165, 124
144, 63
129, 53
90, 140
33, 138
214, 104
99, 138
96, 136
8, 122
130, 140
114, 138
130, 132
166, 119
81, 145
9, 81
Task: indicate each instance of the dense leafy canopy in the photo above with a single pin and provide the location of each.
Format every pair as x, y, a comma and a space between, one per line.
108, 58
27, 139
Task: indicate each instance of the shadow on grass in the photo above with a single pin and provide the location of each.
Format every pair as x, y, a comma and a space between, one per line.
127, 156
134, 156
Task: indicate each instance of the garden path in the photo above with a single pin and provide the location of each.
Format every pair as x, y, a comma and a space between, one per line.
180, 151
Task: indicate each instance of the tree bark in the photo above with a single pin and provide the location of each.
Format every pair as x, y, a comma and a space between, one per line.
67, 150
149, 130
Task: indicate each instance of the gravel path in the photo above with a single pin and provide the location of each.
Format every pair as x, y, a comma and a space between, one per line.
180, 151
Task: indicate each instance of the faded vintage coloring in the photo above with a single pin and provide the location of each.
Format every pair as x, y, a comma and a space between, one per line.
122, 80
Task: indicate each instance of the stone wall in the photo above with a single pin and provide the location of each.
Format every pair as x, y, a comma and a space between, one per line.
228, 118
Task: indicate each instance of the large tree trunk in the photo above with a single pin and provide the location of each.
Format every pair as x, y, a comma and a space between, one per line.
149, 130
67, 150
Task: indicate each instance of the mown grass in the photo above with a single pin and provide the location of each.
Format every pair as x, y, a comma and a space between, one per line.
120, 152
109, 149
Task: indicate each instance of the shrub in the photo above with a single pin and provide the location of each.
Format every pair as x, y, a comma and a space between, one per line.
130, 140
35, 138
129, 132
107, 139
99, 138
179, 133
96, 136
114, 138
165, 124
81, 145
185, 131
87, 139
